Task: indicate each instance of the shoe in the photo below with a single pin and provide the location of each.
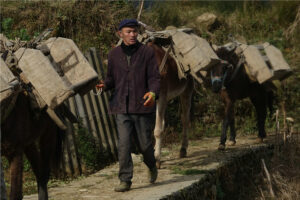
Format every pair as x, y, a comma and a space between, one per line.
123, 187
221, 147
231, 143
152, 174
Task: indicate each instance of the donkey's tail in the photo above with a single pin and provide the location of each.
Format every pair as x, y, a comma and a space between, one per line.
270, 100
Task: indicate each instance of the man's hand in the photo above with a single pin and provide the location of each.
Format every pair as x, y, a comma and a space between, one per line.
100, 85
150, 96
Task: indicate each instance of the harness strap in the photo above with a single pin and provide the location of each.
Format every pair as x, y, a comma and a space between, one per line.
241, 61
164, 60
223, 81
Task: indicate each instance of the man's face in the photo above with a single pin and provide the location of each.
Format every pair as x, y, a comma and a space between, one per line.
129, 35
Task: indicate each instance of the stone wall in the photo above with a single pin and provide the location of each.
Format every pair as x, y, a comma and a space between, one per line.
228, 180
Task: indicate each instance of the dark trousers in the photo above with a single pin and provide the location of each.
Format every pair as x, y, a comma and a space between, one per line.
139, 126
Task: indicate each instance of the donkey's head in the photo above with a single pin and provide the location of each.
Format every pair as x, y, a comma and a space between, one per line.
221, 71
218, 75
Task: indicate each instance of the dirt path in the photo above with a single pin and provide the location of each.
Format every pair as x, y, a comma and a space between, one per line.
202, 155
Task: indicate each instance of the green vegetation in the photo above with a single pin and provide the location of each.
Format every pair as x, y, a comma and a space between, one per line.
88, 23
6, 28
93, 155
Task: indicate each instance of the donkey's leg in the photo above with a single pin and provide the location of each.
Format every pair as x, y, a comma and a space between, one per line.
228, 118
159, 127
16, 175
47, 149
33, 157
223, 133
47, 145
259, 103
232, 127
186, 102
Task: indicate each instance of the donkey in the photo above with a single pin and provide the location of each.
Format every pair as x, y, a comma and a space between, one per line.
171, 87
231, 81
26, 131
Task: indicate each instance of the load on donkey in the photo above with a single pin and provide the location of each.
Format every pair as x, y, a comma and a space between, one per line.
196, 59
36, 78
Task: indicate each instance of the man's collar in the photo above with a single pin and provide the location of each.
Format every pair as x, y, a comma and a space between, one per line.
130, 49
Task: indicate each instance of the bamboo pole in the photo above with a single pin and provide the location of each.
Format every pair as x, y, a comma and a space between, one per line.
91, 118
72, 106
76, 168
95, 101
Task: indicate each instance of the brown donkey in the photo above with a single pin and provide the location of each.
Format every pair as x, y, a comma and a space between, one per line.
232, 82
36, 135
171, 86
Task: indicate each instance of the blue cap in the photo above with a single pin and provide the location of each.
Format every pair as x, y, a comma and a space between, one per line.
128, 23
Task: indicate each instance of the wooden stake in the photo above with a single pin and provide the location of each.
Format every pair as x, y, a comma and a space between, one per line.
284, 121
262, 194
277, 129
140, 11
268, 177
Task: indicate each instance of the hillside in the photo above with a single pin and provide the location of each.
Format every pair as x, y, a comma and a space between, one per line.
94, 24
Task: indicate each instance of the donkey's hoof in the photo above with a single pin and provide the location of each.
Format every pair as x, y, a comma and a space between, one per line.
221, 147
259, 140
231, 143
182, 153
158, 163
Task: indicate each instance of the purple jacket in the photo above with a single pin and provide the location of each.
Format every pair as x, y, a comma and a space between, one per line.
131, 83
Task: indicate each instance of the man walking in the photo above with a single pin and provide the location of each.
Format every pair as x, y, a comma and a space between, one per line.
133, 74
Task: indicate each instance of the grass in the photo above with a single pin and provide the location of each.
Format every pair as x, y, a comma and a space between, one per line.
284, 170
165, 153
